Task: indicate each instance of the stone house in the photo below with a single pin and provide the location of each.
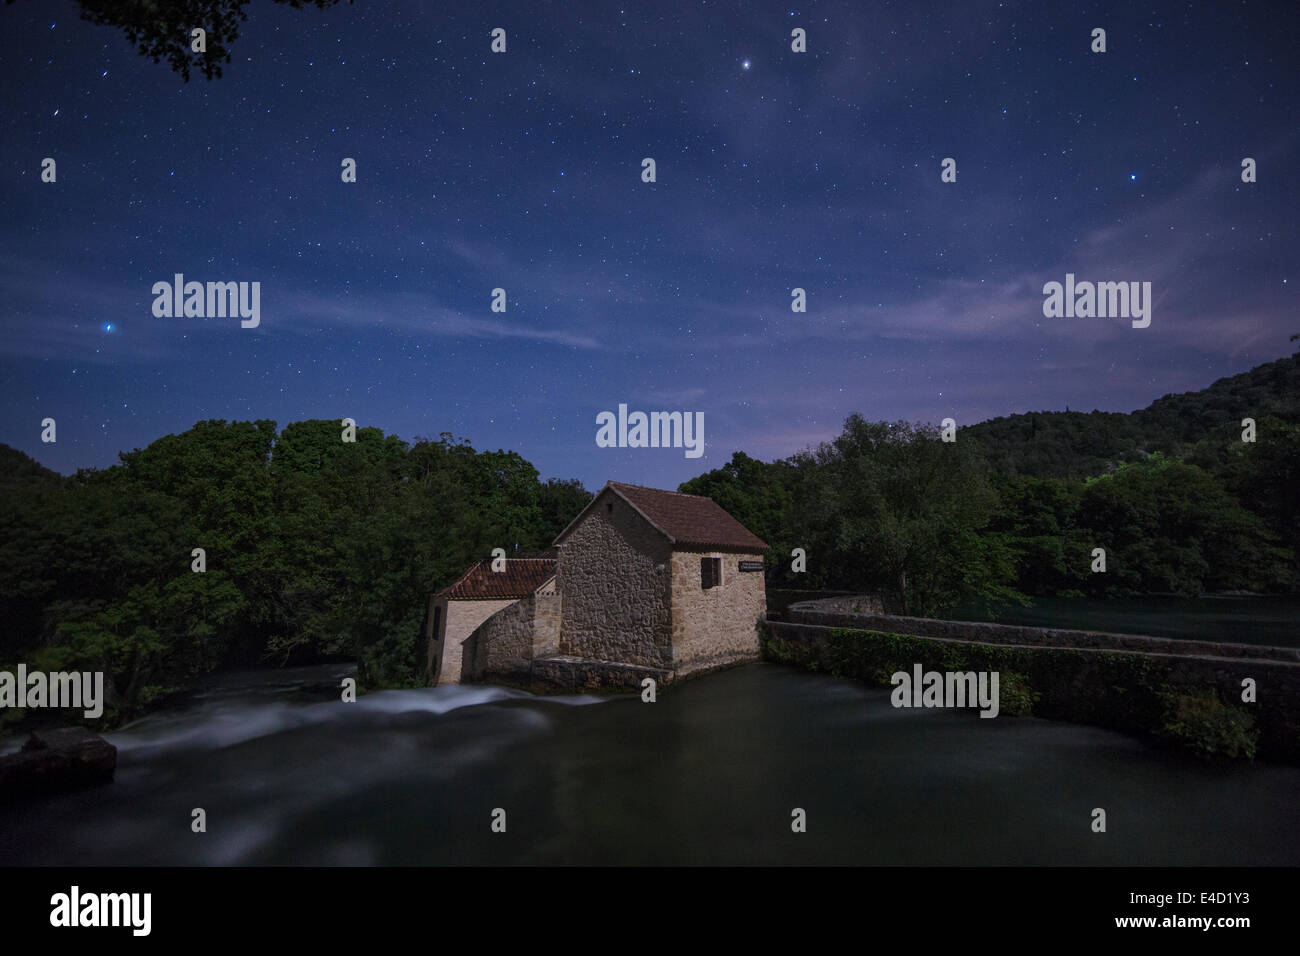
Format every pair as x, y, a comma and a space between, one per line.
646, 583
457, 610
660, 579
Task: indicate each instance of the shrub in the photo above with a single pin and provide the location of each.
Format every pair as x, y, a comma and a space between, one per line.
1198, 721
1015, 697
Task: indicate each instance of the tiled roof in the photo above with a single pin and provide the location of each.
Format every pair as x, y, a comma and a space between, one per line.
686, 520
521, 578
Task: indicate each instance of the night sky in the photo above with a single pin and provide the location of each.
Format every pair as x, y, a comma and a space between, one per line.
522, 170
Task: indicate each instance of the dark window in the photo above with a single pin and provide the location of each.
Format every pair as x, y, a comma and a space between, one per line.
710, 572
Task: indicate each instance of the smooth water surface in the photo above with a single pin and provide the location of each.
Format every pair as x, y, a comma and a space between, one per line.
709, 774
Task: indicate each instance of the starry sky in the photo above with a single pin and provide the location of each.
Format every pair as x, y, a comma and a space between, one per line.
522, 170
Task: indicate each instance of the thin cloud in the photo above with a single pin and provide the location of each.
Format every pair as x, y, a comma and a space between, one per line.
411, 314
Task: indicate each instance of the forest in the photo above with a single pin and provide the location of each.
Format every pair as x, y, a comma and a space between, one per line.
316, 549
1014, 507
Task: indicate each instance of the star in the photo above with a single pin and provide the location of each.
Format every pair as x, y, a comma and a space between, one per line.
744, 65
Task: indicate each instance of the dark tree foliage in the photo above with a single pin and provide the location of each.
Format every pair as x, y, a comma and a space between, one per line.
886, 507
560, 502
16, 466
315, 549
1014, 508
160, 29
1168, 528
758, 495
1081, 445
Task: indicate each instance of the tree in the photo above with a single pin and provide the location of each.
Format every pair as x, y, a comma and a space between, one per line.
899, 511
1037, 518
759, 495
161, 28
316, 549
1167, 527
560, 502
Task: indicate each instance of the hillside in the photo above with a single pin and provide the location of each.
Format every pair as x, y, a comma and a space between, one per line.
1082, 444
16, 466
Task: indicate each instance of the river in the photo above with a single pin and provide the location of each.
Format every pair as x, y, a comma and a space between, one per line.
708, 774
1273, 620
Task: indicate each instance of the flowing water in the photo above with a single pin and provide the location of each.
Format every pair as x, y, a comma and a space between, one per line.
710, 774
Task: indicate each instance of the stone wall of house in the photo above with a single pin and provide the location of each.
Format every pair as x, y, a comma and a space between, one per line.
613, 572
505, 645
718, 626
459, 619
502, 646
575, 674
546, 623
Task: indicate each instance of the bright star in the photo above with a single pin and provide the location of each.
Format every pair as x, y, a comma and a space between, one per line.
108, 326
1133, 176
745, 65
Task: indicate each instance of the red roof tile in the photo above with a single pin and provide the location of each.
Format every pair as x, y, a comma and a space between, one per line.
521, 578
692, 521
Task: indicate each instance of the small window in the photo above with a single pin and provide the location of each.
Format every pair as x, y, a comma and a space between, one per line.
710, 572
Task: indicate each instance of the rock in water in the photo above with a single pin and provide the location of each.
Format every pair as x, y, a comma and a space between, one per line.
53, 761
